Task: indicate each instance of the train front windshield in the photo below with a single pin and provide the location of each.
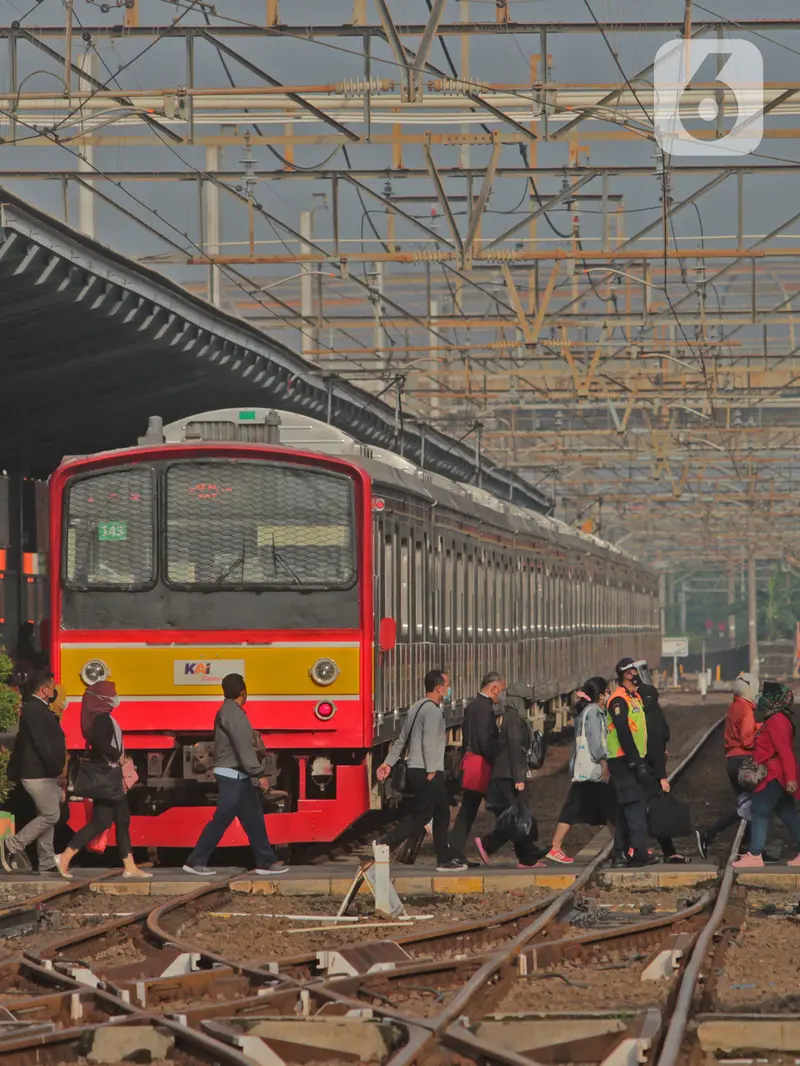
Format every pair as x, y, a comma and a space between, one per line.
211, 525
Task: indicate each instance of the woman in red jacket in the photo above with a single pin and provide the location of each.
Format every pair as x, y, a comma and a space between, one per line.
775, 794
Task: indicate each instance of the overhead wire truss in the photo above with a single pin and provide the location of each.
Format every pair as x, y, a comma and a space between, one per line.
509, 256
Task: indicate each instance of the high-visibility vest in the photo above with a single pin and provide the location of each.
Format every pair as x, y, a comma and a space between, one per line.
637, 723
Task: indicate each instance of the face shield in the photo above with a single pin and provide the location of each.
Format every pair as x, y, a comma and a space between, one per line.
645, 677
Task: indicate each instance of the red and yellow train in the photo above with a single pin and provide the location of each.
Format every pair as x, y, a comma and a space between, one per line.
332, 576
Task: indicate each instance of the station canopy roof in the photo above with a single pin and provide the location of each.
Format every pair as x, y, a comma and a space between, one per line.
92, 344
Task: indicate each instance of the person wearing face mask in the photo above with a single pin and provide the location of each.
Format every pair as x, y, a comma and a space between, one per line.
239, 772
627, 766
103, 737
422, 743
775, 794
37, 762
480, 747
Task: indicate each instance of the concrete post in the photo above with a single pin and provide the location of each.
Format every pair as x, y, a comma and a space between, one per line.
752, 614
731, 617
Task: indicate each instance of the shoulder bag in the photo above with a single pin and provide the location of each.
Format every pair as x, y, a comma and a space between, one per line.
99, 781
585, 768
399, 775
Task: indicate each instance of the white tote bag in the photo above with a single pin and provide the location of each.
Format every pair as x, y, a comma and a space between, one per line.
585, 768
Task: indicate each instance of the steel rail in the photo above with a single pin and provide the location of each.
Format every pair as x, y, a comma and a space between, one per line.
676, 1030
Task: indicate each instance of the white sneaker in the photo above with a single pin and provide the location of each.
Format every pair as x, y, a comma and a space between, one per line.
271, 871
199, 871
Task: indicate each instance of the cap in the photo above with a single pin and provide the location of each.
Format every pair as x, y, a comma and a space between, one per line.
625, 664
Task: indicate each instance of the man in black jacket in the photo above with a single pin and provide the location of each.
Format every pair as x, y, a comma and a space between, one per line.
480, 736
38, 762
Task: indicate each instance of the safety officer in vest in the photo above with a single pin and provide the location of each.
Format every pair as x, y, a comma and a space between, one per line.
627, 747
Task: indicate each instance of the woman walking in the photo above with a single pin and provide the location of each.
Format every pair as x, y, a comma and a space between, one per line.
774, 749
508, 787
103, 735
591, 800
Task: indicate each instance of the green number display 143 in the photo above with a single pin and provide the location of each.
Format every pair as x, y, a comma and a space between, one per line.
112, 530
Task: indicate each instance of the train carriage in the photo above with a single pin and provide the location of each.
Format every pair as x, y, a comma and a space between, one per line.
330, 574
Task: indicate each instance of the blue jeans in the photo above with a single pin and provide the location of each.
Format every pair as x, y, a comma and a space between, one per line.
773, 799
237, 799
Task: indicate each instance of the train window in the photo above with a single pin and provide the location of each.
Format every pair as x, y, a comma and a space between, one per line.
110, 530
508, 601
389, 576
469, 598
258, 524
480, 595
419, 591
459, 596
404, 589
448, 595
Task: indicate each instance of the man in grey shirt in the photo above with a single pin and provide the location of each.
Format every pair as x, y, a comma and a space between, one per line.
423, 739
239, 773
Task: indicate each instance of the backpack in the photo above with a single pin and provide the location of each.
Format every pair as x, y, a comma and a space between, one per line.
535, 748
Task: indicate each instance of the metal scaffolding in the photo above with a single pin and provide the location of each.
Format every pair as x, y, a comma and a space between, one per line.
618, 330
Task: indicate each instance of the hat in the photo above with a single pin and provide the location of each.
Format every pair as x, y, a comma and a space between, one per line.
746, 686
520, 690
624, 665
98, 698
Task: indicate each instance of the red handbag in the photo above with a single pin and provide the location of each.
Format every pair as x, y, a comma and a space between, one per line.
475, 772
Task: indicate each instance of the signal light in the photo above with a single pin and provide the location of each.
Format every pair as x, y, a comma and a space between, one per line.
325, 710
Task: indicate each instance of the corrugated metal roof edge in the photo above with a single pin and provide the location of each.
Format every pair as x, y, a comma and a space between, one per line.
354, 410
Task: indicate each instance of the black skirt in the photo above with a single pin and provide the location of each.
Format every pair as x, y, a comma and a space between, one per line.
589, 803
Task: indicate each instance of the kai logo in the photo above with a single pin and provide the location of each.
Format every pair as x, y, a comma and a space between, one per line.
205, 672
196, 669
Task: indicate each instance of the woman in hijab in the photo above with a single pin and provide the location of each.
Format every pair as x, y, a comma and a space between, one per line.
103, 736
774, 749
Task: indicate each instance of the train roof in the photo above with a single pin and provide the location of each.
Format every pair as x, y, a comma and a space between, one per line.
387, 469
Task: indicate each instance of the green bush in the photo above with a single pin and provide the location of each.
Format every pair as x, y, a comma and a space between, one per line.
6, 666
5, 784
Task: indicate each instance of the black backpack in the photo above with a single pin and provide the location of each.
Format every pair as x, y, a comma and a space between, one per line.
536, 746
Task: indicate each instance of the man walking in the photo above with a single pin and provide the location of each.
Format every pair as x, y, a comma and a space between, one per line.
480, 745
239, 773
627, 749
422, 740
37, 762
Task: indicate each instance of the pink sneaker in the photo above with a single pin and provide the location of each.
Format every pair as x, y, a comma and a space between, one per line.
751, 862
557, 855
482, 852
794, 862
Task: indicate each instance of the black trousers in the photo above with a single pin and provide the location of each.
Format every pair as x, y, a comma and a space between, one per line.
733, 765
630, 830
526, 850
426, 800
104, 814
467, 813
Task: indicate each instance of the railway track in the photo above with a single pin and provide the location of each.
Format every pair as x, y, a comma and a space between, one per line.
501, 989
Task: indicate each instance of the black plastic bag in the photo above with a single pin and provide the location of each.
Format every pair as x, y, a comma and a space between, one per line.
516, 822
668, 816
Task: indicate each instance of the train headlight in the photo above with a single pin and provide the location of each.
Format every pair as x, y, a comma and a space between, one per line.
325, 710
93, 671
324, 671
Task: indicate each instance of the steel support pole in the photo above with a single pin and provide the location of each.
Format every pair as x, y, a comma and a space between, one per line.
752, 614
86, 196
731, 616
309, 334
212, 227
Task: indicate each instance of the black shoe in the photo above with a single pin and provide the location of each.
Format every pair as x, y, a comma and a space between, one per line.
452, 864
471, 864
703, 843
619, 860
677, 860
770, 859
642, 858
